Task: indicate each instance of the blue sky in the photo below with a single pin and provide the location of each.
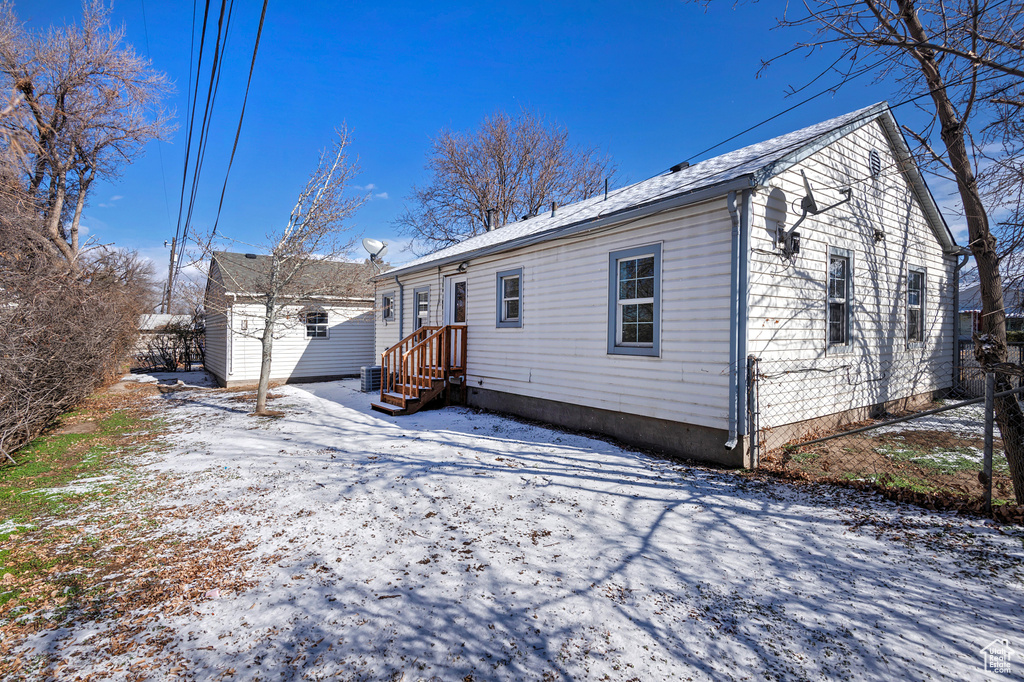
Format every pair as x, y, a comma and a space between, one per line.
649, 83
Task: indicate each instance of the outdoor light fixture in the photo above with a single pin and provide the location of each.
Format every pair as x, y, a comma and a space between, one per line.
463, 266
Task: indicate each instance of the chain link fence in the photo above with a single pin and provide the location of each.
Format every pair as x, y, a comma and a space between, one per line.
915, 430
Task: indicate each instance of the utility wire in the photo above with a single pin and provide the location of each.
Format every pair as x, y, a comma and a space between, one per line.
211, 97
833, 88
192, 116
241, 117
215, 71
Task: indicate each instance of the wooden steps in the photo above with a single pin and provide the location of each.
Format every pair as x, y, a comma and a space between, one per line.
397, 404
420, 368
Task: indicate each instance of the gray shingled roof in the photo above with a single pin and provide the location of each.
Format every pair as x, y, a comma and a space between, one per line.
746, 167
242, 274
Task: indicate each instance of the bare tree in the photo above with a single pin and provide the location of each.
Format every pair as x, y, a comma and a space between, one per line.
510, 167
297, 266
86, 105
957, 60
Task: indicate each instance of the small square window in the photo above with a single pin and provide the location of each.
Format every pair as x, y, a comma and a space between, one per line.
387, 307
316, 323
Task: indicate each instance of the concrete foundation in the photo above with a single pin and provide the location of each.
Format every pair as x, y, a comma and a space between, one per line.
673, 438
277, 381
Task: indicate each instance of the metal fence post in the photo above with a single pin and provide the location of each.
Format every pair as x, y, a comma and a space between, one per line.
990, 391
753, 435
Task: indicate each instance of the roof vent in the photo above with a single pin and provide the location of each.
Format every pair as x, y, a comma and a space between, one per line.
251, 255
874, 163
679, 166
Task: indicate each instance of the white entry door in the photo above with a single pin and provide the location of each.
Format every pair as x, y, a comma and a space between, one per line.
455, 313
455, 299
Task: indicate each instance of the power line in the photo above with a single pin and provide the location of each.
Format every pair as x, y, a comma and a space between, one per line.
833, 88
192, 116
241, 117
676, 189
181, 234
211, 97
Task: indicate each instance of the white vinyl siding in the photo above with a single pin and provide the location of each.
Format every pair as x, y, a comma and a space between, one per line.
884, 232
215, 352
216, 321
561, 351
347, 346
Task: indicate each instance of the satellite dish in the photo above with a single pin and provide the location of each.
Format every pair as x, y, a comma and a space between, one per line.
375, 248
808, 203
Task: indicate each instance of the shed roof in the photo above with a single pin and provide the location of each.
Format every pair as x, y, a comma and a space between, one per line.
243, 274
156, 321
744, 168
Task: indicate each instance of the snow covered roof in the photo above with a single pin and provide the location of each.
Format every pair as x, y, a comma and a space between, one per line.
743, 168
1013, 300
159, 321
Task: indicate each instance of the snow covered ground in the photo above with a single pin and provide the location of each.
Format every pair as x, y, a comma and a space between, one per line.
454, 545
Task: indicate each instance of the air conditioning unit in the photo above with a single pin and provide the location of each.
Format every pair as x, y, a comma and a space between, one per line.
369, 378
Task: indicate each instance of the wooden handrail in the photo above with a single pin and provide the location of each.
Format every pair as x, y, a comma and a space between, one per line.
415, 362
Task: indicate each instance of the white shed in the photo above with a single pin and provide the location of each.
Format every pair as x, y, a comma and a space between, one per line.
317, 340
633, 313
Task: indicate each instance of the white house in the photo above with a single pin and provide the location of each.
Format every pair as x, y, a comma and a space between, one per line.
317, 340
633, 313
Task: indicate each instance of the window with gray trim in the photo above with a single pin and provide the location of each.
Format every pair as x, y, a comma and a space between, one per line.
915, 306
421, 300
387, 306
509, 296
634, 301
838, 326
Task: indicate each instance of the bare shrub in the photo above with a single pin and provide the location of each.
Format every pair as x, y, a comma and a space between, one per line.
61, 335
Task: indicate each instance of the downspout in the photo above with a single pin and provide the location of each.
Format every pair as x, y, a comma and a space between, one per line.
401, 308
734, 304
741, 296
966, 253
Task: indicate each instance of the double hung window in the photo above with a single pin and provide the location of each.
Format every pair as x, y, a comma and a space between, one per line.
838, 298
634, 312
915, 306
509, 296
421, 298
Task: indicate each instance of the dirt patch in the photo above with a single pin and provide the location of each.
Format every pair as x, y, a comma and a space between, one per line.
80, 427
922, 461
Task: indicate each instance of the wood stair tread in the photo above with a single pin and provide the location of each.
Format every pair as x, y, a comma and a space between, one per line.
388, 408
